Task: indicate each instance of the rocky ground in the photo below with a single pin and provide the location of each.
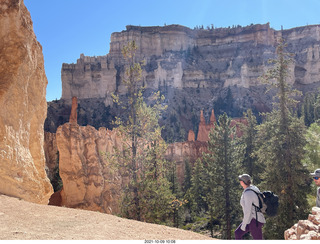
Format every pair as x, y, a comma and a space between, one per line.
21, 220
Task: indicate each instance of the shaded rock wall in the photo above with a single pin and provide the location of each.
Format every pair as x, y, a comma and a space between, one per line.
51, 153
23, 107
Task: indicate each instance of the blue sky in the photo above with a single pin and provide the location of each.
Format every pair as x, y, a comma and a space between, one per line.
67, 28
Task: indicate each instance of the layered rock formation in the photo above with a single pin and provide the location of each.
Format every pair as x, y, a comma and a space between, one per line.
23, 107
306, 229
89, 179
89, 77
195, 69
204, 129
180, 57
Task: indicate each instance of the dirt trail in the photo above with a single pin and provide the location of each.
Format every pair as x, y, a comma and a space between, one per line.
21, 220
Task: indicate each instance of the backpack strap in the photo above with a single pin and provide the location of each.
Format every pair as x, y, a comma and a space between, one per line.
260, 202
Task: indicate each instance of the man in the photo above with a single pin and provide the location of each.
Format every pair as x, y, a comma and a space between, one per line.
316, 178
252, 220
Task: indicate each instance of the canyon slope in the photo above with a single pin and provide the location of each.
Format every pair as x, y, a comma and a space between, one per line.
195, 69
23, 105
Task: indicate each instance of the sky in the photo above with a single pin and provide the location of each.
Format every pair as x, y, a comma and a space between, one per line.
68, 28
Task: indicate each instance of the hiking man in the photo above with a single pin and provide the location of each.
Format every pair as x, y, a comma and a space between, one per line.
253, 220
316, 178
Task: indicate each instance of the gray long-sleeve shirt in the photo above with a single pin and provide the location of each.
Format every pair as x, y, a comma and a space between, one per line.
318, 197
248, 197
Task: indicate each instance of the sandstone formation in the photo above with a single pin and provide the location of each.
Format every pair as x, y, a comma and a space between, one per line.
51, 153
204, 129
23, 107
74, 115
89, 77
306, 229
90, 181
75, 142
195, 69
191, 150
191, 135
182, 152
180, 57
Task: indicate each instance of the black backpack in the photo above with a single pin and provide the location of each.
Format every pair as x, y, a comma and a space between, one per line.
268, 203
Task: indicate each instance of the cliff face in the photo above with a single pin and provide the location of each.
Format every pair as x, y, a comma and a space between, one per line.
200, 69
89, 181
179, 57
23, 107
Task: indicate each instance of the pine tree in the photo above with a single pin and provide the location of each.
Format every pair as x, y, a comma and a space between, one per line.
312, 156
178, 203
153, 186
249, 141
281, 143
147, 196
310, 108
196, 194
222, 170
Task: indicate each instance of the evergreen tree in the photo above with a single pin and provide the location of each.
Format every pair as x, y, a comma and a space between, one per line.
187, 184
153, 186
147, 196
196, 194
312, 156
281, 143
249, 141
187, 176
222, 170
178, 204
310, 108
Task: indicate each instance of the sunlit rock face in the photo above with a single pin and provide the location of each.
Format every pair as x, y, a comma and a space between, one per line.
181, 57
89, 179
23, 107
194, 69
308, 229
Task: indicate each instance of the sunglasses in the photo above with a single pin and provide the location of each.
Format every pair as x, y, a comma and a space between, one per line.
316, 178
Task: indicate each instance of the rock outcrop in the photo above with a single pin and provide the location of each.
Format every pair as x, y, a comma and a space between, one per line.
204, 129
180, 57
189, 151
74, 115
51, 153
182, 152
306, 229
89, 77
195, 69
23, 107
74, 141
89, 179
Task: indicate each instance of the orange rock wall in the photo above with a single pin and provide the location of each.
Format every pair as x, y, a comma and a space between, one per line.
89, 180
23, 106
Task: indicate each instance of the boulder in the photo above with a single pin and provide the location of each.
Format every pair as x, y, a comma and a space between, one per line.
306, 229
23, 107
